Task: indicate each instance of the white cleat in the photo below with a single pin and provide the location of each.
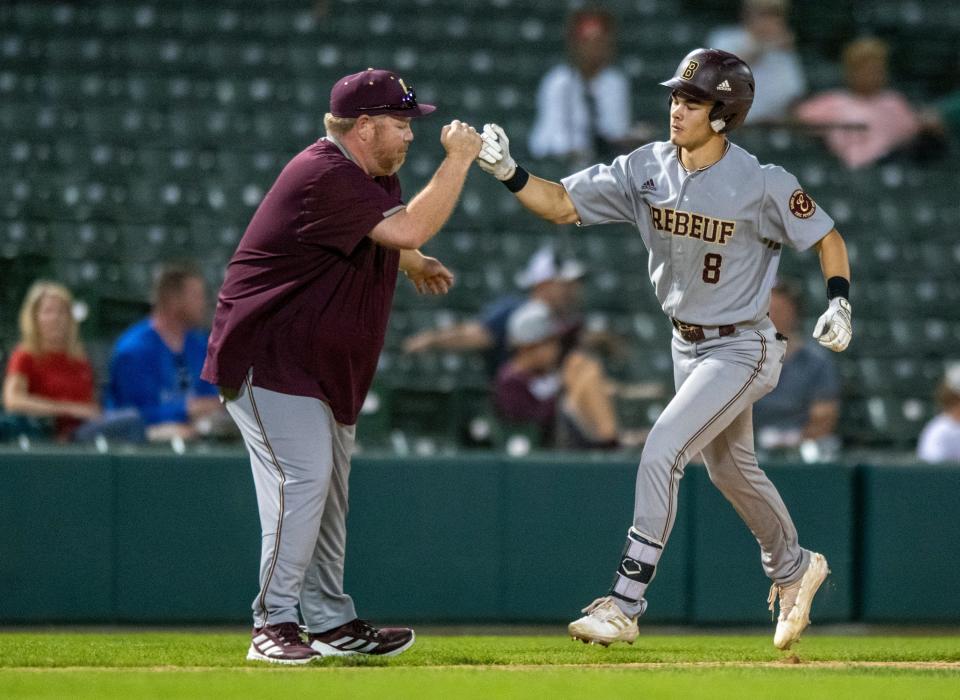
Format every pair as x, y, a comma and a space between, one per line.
796, 601
604, 624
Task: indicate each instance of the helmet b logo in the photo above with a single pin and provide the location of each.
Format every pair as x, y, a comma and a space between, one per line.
690, 70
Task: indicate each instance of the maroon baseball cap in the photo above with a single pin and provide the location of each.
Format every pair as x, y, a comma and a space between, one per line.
375, 92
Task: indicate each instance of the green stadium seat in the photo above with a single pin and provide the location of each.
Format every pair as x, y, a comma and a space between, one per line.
900, 376
890, 421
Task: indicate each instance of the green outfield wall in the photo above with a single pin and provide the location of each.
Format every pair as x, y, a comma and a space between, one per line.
147, 538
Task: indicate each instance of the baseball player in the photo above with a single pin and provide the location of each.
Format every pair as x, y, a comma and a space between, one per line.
714, 221
299, 326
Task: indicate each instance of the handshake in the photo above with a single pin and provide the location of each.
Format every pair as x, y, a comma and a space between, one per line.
494, 153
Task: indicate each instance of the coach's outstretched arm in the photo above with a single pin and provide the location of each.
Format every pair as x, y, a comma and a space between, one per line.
427, 274
548, 200
834, 328
426, 213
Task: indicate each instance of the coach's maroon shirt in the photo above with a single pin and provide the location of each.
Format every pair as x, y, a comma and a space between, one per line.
307, 294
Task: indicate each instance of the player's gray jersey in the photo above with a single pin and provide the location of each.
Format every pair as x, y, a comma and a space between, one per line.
714, 235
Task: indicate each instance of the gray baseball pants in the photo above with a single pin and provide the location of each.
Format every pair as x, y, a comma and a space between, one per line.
300, 457
717, 381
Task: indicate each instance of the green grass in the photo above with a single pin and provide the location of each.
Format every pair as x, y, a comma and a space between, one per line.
212, 665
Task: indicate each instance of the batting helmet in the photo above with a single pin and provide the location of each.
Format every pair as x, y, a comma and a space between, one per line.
716, 76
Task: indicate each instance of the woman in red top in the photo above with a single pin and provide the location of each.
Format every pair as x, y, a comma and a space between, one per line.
48, 374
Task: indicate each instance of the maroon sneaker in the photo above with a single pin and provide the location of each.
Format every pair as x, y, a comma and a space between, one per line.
360, 637
280, 644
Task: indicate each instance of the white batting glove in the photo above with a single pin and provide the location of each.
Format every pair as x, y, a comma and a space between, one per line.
494, 155
835, 328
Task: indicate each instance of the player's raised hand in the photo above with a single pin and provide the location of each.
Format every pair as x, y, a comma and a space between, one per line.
495, 156
430, 276
834, 328
460, 140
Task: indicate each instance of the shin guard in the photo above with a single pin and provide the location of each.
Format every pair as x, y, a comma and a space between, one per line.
637, 568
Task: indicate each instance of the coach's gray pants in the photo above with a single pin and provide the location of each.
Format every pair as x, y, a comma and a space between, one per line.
300, 457
717, 383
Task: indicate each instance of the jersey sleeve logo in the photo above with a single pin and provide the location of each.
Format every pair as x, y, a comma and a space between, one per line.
802, 205
690, 70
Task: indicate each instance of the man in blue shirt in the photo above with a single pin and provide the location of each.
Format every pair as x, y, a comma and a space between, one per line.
156, 363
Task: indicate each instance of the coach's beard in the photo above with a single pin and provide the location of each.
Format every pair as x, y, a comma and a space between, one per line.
389, 162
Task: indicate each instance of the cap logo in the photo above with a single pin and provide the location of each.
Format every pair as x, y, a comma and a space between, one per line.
725, 86
802, 205
689, 71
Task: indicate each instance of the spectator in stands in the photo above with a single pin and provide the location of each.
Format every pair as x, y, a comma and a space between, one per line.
805, 406
940, 439
548, 277
156, 363
765, 42
583, 106
569, 400
49, 376
866, 121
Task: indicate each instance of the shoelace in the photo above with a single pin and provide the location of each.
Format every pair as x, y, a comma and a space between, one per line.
368, 629
289, 633
606, 607
772, 599
595, 604
788, 598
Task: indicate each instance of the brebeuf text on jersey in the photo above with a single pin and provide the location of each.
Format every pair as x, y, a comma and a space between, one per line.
684, 223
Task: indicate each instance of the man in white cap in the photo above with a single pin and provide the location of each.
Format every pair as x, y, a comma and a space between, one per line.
940, 439
547, 277
567, 398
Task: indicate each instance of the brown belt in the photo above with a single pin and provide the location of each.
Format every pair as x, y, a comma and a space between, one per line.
694, 334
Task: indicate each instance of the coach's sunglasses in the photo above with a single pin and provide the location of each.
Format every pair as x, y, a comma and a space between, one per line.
409, 101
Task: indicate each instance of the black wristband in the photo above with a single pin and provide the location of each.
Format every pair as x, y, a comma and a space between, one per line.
517, 181
838, 287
